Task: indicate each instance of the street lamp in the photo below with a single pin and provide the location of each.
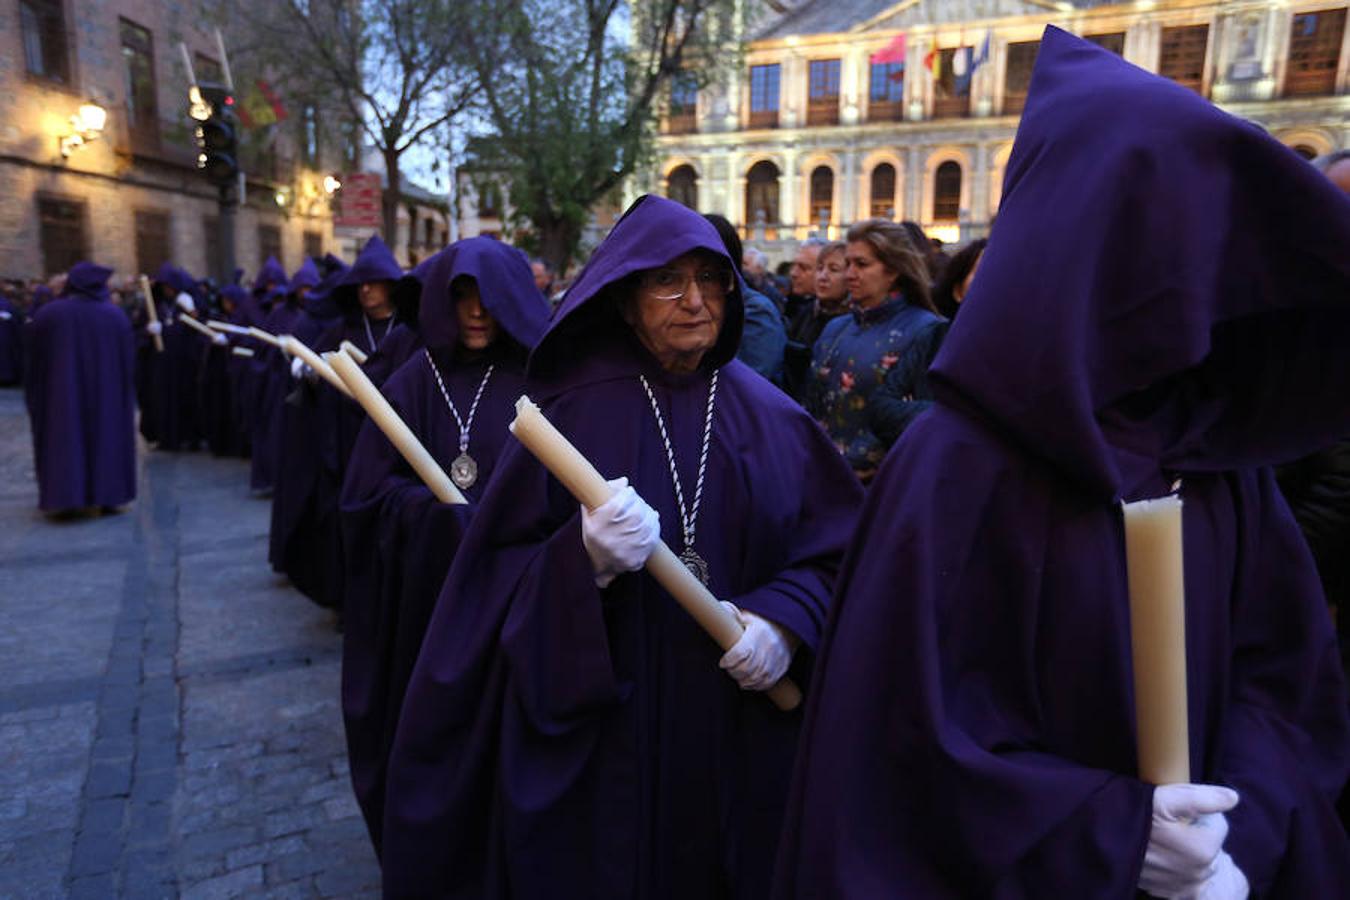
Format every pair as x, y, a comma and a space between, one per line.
331, 185
87, 125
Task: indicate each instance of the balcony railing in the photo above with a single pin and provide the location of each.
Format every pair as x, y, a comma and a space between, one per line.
823, 112
681, 123
765, 118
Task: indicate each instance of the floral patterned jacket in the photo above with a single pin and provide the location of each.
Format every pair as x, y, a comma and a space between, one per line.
850, 359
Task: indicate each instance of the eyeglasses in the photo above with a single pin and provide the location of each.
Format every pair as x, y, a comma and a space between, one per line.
673, 284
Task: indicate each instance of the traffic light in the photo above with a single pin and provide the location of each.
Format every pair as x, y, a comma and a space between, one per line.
212, 105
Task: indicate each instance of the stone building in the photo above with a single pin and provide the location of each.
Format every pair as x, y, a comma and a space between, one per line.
810, 134
128, 193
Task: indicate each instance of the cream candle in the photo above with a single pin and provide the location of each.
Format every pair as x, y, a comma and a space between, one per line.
151, 312
589, 487
394, 428
354, 352
1155, 569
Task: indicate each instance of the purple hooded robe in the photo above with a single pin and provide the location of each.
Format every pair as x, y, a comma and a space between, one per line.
80, 392
170, 380
558, 737
397, 537
11, 342
309, 546
1166, 295
272, 375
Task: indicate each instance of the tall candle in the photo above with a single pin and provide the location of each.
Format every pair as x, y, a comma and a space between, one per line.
197, 326
217, 325
266, 337
354, 352
582, 480
151, 312
394, 428
293, 347
1154, 566
241, 351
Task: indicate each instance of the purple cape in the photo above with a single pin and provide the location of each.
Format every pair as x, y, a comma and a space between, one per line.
169, 382
375, 263
271, 377
319, 302
316, 442
271, 275
80, 396
557, 734
398, 539
1144, 311
11, 342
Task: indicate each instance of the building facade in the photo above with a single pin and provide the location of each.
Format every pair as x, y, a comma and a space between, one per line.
128, 193
817, 130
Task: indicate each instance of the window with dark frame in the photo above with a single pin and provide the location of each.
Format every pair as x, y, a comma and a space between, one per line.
947, 192
61, 233
682, 186
1182, 57
822, 195
313, 243
764, 96
43, 25
269, 243
1113, 41
822, 92
886, 92
951, 94
1314, 52
1017, 77
761, 194
489, 201
682, 117
883, 191
428, 232
152, 240
138, 60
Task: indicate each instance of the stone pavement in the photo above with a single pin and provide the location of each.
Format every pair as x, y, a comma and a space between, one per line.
169, 714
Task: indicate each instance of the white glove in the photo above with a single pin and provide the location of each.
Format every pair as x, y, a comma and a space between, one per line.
298, 367
1227, 882
6, 315
620, 533
185, 303
1186, 841
219, 339
154, 328
761, 657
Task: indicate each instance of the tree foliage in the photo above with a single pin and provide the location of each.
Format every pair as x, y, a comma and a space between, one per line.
571, 90
393, 66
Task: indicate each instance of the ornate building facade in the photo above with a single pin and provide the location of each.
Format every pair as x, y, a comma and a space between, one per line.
817, 130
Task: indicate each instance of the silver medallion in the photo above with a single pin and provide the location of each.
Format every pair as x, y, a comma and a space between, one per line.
464, 471
695, 564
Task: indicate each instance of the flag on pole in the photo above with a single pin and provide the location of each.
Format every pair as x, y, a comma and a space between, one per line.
934, 63
982, 56
261, 106
894, 52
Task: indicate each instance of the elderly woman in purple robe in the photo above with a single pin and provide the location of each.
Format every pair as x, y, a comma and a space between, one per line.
1145, 321
479, 315
568, 727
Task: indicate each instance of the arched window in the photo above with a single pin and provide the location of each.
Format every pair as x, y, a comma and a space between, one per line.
822, 196
883, 192
682, 186
761, 194
947, 192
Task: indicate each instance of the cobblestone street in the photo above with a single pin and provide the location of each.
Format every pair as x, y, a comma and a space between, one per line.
169, 713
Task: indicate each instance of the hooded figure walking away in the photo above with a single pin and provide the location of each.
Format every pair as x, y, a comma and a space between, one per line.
568, 727
80, 391
479, 315
1165, 298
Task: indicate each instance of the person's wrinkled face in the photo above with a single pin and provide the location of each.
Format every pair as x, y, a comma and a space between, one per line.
477, 328
677, 309
831, 278
803, 272
869, 279
374, 298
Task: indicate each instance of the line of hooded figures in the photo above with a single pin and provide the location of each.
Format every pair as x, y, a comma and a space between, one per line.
1162, 310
